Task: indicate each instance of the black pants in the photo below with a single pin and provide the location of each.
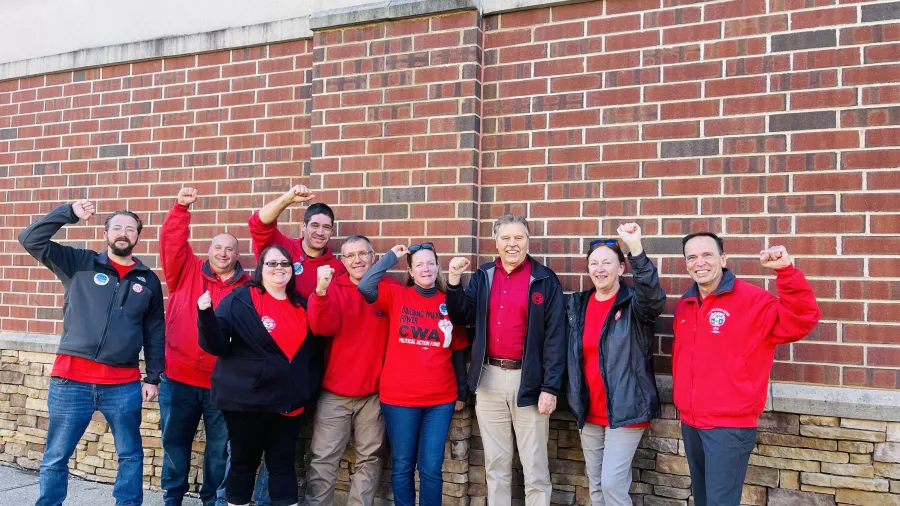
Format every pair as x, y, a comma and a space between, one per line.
718, 462
251, 434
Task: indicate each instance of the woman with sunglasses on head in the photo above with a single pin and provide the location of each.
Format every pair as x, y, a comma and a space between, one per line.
265, 374
422, 381
611, 385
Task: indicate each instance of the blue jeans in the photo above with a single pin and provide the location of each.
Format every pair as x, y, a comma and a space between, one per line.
261, 494
71, 405
180, 408
417, 437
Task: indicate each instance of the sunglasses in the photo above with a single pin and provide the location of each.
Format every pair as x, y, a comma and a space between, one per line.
612, 243
273, 265
417, 247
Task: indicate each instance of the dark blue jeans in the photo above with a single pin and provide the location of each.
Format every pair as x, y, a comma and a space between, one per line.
417, 437
71, 405
718, 461
180, 408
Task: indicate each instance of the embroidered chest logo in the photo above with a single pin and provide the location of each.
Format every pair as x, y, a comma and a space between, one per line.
298, 268
537, 298
268, 323
142, 278
717, 318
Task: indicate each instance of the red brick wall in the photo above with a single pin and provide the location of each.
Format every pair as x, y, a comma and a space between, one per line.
771, 122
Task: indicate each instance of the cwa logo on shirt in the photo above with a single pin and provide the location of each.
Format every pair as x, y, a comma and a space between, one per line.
268, 323
424, 334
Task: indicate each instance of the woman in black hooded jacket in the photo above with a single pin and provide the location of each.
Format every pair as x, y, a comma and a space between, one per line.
611, 385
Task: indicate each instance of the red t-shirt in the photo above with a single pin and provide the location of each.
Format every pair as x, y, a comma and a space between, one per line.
89, 371
417, 368
286, 324
508, 311
593, 327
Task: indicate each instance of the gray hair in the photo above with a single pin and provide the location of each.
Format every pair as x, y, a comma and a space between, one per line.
356, 238
511, 218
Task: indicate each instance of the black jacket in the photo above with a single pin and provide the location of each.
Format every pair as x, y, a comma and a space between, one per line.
252, 373
626, 349
544, 359
105, 319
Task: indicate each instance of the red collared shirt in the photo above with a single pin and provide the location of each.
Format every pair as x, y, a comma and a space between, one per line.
508, 311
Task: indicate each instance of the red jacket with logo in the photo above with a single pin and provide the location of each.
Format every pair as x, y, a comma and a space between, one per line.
725, 345
187, 277
354, 357
304, 267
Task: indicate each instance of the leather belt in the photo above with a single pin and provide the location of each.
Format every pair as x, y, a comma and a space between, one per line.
503, 363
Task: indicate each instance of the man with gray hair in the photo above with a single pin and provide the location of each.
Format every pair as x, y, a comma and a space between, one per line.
518, 357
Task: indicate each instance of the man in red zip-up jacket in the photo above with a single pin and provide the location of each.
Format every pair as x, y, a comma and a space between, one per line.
726, 331
349, 396
184, 393
311, 250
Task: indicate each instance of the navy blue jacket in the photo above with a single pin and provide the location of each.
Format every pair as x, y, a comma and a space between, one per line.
544, 358
626, 349
252, 374
105, 319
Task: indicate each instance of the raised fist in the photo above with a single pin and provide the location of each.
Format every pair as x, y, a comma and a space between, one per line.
83, 209
297, 194
205, 301
457, 267
187, 196
775, 257
400, 250
323, 279
631, 236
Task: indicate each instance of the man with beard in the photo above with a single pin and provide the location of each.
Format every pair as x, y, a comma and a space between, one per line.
113, 308
311, 250
184, 393
518, 357
353, 370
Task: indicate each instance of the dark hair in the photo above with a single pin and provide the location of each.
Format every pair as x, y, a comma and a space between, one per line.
124, 212
439, 281
612, 244
357, 237
719, 242
317, 208
256, 279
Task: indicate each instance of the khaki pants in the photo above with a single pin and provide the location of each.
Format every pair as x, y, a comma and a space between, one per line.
607, 455
335, 414
495, 407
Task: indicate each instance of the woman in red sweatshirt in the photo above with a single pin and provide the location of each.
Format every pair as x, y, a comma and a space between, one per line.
266, 373
424, 370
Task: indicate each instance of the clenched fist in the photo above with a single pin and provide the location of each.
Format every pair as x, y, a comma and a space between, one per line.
631, 236
457, 267
323, 279
400, 250
205, 301
298, 194
187, 196
775, 257
83, 209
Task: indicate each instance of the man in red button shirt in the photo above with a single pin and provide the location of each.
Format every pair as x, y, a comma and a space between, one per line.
518, 357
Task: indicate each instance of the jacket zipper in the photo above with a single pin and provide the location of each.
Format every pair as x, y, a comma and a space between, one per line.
108, 317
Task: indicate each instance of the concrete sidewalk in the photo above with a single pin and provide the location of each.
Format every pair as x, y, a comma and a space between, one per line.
19, 487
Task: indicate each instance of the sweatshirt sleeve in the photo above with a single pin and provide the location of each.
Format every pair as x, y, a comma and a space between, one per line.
62, 260
461, 302
214, 328
324, 313
369, 285
649, 298
155, 338
175, 251
263, 235
796, 310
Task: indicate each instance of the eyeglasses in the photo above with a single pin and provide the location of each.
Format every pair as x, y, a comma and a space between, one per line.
358, 254
417, 247
273, 265
612, 243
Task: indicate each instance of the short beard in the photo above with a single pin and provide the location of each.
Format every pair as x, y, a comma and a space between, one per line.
121, 252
